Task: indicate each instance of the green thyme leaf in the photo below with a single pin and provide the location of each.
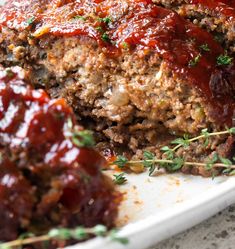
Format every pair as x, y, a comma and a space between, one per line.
148, 155
168, 152
125, 45
114, 237
83, 138
177, 164
224, 59
225, 161
9, 73
212, 161
206, 134
205, 47
226, 171
120, 179
31, 20
181, 141
194, 61
60, 233
80, 233
100, 230
149, 162
105, 37
121, 161
232, 130
100, 29
105, 20
79, 17
165, 149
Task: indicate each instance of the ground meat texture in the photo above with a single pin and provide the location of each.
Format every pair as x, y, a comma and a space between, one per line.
46, 180
134, 68
217, 17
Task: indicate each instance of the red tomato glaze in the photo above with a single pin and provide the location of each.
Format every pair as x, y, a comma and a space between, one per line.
43, 172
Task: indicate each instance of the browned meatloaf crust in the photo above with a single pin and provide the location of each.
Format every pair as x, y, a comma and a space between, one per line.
136, 69
46, 179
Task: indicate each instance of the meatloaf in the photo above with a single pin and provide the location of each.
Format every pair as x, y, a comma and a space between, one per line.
50, 175
217, 17
138, 71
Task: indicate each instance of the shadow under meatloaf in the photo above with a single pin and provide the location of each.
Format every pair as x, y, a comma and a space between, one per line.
137, 87
217, 17
46, 179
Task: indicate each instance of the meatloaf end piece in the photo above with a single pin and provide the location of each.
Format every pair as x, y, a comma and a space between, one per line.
50, 174
135, 68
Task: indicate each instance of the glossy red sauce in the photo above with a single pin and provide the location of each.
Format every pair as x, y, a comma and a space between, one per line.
36, 135
29, 119
137, 25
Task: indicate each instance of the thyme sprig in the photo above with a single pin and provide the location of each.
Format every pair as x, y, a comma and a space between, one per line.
80, 138
178, 162
119, 179
172, 163
205, 134
78, 233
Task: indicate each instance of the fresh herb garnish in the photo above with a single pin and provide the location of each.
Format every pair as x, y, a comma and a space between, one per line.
211, 162
119, 179
105, 20
100, 29
78, 233
149, 162
78, 17
125, 45
9, 73
105, 37
195, 61
83, 138
121, 161
205, 47
224, 59
115, 237
173, 163
182, 141
31, 20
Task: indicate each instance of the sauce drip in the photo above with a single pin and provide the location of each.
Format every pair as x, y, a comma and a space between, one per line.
138, 25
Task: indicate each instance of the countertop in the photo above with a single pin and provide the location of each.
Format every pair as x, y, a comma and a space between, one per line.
216, 233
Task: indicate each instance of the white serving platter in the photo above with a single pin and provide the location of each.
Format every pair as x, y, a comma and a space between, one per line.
155, 208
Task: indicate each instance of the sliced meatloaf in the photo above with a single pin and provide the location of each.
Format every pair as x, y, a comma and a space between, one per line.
217, 17
50, 176
137, 70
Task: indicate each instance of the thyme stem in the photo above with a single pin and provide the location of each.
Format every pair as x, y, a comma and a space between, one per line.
202, 136
21, 242
79, 233
216, 165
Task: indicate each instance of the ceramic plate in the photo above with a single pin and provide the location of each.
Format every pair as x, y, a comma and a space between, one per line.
156, 208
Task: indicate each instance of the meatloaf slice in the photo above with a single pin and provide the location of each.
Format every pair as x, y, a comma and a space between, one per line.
136, 69
50, 175
217, 17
